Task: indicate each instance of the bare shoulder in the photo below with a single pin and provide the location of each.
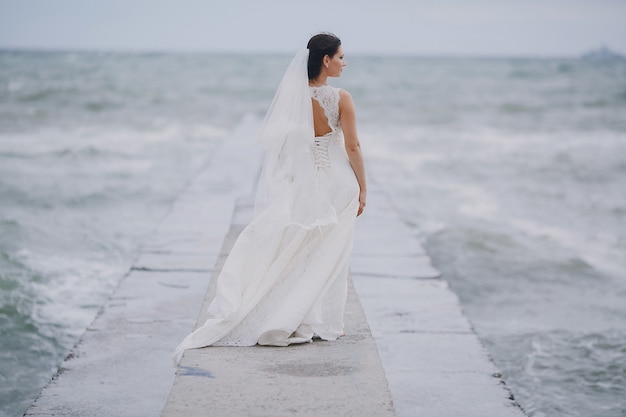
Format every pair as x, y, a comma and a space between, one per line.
344, 94
345, 100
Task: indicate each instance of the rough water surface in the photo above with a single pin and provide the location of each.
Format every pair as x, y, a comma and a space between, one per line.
513, 170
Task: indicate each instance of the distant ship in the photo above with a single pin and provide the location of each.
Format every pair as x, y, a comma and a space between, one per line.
602, 54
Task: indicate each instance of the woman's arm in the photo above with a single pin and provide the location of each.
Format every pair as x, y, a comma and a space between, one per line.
347, 115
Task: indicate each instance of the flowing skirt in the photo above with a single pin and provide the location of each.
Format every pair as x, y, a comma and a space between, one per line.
284, 285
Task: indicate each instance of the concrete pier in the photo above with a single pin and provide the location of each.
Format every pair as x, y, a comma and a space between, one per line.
340, 378
423, 358
433, 360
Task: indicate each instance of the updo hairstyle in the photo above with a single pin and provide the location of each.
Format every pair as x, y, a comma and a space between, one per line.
319, 46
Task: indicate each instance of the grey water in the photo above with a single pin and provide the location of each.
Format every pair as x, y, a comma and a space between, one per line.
513, 170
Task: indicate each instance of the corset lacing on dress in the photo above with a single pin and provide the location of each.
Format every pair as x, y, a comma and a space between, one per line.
320, 151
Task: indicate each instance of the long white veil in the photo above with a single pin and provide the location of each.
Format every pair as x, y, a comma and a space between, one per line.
287, 185
288, 196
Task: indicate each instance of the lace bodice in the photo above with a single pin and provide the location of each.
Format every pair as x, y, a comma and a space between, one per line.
328, 99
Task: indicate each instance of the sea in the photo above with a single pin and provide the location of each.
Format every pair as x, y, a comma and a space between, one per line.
511, 170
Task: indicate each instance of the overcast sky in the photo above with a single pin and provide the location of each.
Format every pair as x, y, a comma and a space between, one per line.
467, 27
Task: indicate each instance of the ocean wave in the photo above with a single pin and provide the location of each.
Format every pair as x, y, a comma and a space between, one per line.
65, 152
519, 108
565, 68
524, 74
45, 94
40, 318
101, 105
579, 372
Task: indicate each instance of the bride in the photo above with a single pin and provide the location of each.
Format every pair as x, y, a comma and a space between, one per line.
285, 279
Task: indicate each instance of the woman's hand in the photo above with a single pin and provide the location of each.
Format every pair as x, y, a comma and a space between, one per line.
347, 115
362, 198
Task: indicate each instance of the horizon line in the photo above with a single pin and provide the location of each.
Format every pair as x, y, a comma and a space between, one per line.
191, 51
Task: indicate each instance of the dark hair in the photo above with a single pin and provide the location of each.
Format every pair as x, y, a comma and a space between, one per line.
319, 46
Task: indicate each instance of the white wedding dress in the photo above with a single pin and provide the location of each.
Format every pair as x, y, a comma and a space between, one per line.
285, 279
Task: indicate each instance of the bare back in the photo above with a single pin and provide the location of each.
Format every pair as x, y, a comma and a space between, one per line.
325, 100
320, 121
